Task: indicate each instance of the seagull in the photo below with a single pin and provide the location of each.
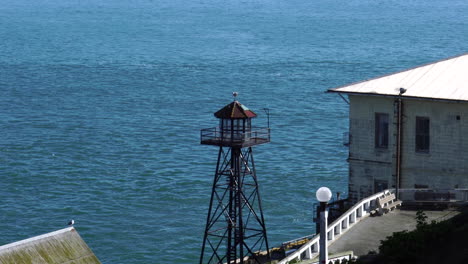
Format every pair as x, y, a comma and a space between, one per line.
72, 222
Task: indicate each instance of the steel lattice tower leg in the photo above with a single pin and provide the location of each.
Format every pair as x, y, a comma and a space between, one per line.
235, 227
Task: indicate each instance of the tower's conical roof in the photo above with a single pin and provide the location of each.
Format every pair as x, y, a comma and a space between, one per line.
235, 110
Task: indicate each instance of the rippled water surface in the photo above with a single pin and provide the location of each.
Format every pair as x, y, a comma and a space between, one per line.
101, 103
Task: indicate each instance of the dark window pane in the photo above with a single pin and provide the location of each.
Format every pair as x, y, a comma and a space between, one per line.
381, 130
422, 134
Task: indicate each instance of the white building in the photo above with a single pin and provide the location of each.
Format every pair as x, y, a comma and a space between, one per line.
409, 129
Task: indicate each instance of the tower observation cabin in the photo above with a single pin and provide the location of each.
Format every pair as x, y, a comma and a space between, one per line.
235, 128
235, 228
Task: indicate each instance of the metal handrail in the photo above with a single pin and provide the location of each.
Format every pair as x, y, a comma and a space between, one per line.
216, 133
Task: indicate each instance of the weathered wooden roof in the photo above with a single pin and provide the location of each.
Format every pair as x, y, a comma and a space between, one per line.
235, 110
59, 247
445, 80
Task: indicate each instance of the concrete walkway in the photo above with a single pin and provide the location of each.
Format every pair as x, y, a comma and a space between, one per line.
367, 234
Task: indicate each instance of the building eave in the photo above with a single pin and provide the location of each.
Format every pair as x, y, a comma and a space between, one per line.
402, 97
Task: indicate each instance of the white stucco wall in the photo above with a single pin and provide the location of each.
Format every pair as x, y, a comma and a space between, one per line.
444, 167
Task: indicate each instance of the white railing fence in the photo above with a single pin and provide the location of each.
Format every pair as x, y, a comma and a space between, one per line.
340, 226
344, 258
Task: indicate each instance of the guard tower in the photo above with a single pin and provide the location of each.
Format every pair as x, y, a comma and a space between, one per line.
235, 227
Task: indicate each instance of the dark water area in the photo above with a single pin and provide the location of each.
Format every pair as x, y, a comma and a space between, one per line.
102, 102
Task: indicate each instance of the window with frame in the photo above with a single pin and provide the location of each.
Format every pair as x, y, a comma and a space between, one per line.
422, 139
381, 130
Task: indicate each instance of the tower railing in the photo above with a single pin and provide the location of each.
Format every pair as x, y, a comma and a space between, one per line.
220, 137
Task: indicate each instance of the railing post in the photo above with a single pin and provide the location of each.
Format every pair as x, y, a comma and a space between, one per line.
345, 223
308, 253
315, 247
338, 229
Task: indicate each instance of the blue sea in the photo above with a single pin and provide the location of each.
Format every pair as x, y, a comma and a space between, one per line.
102, 103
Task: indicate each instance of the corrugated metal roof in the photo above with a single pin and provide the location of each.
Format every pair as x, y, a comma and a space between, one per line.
235, 110
446, 80
59, 247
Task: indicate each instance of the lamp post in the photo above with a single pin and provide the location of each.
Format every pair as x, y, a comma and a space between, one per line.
323, 196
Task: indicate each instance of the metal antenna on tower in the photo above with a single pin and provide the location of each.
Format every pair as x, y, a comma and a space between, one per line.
267, 112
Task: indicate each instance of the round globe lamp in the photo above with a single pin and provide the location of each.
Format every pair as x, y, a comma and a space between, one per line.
324, 194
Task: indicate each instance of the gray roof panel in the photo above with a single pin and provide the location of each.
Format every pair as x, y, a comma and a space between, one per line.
446, 80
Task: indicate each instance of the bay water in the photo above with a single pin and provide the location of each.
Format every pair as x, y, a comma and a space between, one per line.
102, 102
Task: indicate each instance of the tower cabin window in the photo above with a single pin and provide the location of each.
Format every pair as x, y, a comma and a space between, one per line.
237, 129
422, 134
381, 130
